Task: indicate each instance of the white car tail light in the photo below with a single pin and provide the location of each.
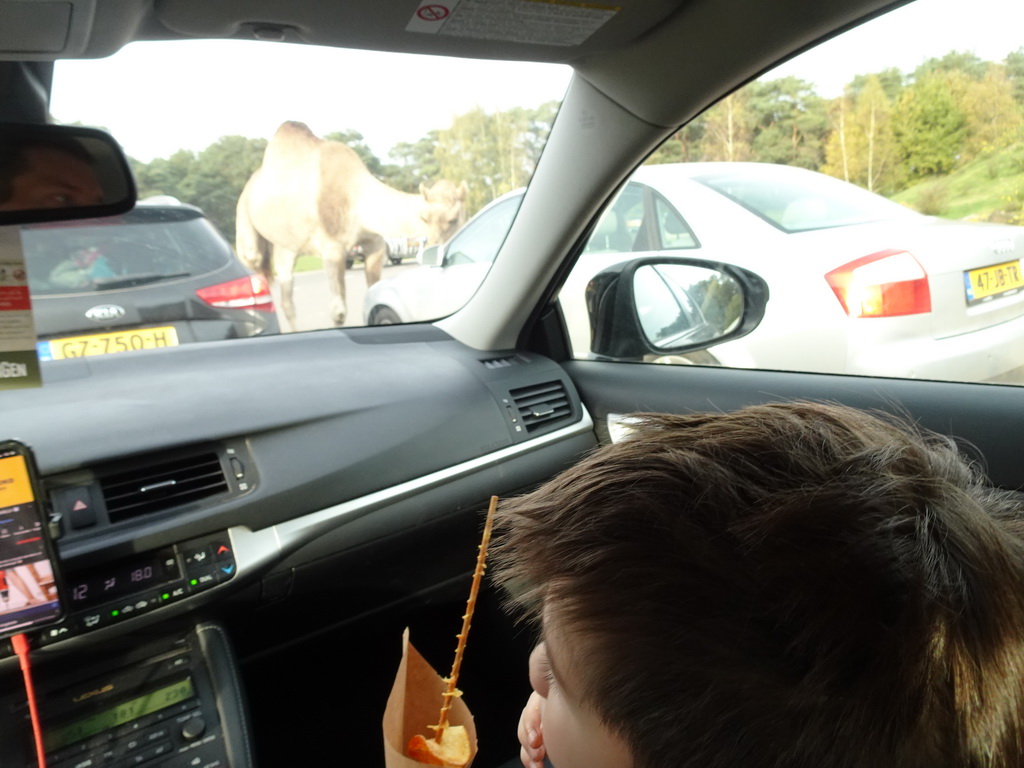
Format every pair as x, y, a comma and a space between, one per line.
885, 284
250, 292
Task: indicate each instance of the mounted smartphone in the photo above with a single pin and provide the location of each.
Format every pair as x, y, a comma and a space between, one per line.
29, 578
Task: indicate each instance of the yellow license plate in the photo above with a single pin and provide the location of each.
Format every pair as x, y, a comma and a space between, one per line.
998, 279
110, 343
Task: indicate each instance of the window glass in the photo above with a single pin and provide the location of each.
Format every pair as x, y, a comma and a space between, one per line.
478, 242
875, 184
407, 152
146, 245
672, 229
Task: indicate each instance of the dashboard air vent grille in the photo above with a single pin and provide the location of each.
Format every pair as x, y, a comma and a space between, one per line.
540, 404
499, 362
161, 486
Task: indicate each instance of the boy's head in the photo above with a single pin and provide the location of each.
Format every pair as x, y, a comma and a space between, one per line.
792, 585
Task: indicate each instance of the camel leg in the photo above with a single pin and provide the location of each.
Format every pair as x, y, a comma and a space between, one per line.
284, 269
374, 264
334, 272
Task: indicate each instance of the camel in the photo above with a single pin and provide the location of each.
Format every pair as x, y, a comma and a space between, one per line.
317, 196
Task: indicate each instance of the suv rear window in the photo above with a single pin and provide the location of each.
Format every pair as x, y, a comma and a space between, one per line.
146, 245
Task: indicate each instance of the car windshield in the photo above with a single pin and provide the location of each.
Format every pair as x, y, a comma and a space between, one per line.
798, 201
147, 245
412, 148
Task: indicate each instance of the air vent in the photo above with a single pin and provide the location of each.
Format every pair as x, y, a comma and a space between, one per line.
162, 486
499, 362
541, 404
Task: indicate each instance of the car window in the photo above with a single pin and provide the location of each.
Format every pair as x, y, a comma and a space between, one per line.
145, 245
802, 202
877, 192
400, 165
478, 242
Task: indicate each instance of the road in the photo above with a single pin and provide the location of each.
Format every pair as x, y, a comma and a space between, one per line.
312, 307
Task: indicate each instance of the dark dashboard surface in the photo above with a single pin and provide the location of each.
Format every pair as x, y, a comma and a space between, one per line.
319, 443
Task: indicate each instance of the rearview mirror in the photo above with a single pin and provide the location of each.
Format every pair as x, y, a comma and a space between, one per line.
56, 173
671, 306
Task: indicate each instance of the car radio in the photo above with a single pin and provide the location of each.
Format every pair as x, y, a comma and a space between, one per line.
171, 702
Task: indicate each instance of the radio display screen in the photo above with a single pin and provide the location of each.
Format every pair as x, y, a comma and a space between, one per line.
120, 714
123, 578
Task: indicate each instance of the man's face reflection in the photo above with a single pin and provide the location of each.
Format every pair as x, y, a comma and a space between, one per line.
52, 178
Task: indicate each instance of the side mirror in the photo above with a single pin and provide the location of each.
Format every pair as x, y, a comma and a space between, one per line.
56, 173
670, 306
431, 256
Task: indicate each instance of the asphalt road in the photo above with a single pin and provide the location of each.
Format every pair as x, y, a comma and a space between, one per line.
312, 306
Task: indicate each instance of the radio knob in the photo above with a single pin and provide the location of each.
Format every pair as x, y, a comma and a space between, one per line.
193, 728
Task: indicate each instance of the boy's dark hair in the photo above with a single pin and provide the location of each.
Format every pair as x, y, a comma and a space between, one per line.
793, 585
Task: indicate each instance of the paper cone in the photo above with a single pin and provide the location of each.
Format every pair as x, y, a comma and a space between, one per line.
414, 704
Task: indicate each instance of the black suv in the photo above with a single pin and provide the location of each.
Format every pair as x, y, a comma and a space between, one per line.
157, 276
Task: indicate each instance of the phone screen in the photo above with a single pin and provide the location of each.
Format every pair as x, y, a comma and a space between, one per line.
29, 595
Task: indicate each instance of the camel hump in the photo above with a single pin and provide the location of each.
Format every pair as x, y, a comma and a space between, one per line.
293, 128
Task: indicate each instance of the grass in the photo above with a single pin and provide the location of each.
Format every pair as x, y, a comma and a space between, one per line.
307, 262
979, 190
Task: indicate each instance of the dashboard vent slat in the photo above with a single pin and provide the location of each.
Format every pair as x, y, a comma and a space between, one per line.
541, 404
162, 486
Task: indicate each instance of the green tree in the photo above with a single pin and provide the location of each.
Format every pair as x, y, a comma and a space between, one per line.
965, 62
1015, 72
495, 152
727, 129
891, 80
994, 119
862, 146
211, 180
789, 122
929, 125
415, 163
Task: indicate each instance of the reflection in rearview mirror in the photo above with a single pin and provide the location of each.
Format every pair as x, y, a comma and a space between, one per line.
52, 173
682, 304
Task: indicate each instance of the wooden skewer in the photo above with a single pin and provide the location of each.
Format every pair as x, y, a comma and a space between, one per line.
452, 679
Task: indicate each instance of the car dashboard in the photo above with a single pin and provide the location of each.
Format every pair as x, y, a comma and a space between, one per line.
341, 467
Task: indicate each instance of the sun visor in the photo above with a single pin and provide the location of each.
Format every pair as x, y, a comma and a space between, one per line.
44, 29
530, 30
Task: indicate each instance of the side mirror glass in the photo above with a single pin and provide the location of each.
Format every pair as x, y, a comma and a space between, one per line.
660, 306
430, 256
56, 173
683, 304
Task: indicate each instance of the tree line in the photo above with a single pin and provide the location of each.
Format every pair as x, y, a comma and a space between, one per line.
887, 131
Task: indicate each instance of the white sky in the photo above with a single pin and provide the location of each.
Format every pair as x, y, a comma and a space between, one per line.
224, 88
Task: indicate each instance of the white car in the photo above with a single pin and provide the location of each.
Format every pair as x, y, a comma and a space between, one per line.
892, 292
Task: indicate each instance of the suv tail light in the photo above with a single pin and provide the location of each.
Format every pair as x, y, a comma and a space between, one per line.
884, 284
250, 292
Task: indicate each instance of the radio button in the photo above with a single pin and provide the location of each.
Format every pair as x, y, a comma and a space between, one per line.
202, 580
197, 555
172, 593
55, 634
193, 729
135, 606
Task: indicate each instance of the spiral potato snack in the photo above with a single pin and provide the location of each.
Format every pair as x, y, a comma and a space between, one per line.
449, 746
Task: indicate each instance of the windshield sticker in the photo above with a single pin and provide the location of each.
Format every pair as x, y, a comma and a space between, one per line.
544, 22
19, 364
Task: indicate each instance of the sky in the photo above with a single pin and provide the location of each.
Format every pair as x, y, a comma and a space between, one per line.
240, 88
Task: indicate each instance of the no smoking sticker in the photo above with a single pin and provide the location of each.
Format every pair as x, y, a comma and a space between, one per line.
543, 22
431, 15
433, 12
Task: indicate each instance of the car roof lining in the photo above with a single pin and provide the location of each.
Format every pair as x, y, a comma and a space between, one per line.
653, 57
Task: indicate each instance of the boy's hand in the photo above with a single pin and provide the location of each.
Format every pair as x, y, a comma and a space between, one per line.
531, 733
